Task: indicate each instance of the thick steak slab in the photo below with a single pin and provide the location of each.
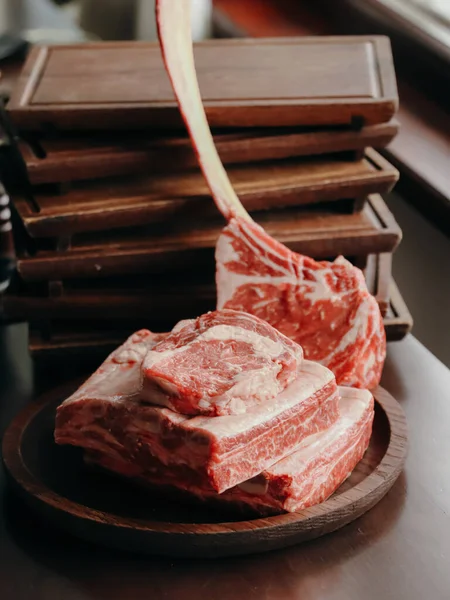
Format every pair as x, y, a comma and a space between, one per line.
308, 476
217, 452
224, 362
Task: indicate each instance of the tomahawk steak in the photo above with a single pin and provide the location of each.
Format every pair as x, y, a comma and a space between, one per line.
344, 330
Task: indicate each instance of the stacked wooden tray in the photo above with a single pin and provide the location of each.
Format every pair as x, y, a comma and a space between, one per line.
244, 83
116, 229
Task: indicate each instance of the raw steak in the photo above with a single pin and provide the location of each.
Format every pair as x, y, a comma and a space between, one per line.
319, 465
119, 376
324, 306
306, 477
224, 362
344, 329
215, 453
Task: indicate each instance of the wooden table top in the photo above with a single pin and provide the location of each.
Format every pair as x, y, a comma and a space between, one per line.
400, 549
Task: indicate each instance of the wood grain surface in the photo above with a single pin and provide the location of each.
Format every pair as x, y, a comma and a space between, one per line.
243, 83
168, 197
187, 246
141, 522
93, 156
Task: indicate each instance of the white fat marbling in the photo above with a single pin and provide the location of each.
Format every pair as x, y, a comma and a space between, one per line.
311, 378
261, 345
119, 377
353, 404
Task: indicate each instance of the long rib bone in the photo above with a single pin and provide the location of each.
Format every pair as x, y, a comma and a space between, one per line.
174, 29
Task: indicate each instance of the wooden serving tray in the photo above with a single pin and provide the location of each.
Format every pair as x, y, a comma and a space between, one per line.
116, 299
93, 156
186, 246
244, 83
126, 202
170, 303
112, 512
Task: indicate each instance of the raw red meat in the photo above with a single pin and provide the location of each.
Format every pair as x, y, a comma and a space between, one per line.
319, 465
344, 329
324, 306
223, 362
215, 453
119, 376
308, 476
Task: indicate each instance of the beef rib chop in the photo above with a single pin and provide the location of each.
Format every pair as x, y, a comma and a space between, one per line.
345, 330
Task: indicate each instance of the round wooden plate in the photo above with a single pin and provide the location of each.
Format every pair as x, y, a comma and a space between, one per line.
104, 509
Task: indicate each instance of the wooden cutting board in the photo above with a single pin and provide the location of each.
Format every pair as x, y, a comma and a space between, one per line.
96, 155
244, 82
118, 298
182, 245
170, 197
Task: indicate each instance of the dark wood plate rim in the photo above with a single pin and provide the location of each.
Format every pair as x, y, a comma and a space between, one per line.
384, 475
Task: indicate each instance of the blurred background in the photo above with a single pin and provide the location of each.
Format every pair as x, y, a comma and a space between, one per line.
420, 36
